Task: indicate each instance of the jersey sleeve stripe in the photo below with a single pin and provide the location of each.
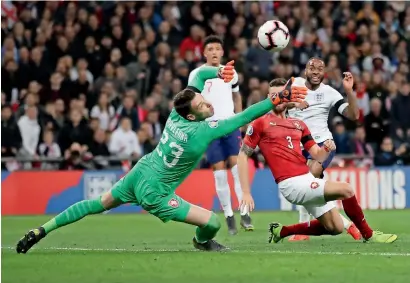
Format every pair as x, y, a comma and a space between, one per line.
307, 142
341, 105
235, 85
305, 139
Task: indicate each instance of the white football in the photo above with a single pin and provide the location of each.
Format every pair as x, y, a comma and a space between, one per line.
273, 36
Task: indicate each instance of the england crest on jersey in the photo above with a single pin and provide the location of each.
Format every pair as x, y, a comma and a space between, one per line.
319, 97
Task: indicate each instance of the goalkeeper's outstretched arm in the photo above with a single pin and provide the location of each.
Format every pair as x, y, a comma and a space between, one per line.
217, 129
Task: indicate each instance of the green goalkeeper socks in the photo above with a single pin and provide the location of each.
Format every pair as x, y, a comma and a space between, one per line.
74, 213
208, 232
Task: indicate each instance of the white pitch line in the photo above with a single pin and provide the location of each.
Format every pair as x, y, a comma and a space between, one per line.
234, 251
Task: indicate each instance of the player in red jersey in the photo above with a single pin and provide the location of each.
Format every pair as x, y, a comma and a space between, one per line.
279, 139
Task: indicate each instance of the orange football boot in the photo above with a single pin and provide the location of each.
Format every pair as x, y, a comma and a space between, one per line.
354, 232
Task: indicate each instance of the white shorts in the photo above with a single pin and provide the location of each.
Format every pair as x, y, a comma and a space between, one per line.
308, 191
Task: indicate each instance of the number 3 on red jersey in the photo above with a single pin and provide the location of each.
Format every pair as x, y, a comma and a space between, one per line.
290, 144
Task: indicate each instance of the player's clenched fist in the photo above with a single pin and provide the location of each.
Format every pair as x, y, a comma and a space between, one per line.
227, 72
289, 94
329, 145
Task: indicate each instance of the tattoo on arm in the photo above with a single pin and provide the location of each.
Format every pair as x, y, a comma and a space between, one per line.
247, 150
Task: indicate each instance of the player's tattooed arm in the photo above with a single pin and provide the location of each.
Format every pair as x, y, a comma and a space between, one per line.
247, 150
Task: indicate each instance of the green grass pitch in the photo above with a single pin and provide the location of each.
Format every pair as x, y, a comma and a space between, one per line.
139, 248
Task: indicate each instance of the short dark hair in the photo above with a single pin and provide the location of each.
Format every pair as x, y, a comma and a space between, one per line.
182, 102
315, 58
277, 82
212, 39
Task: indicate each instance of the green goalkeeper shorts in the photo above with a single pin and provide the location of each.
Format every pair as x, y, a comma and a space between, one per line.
151, 196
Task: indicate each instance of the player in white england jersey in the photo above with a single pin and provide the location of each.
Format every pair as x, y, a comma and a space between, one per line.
314, 111
223, 152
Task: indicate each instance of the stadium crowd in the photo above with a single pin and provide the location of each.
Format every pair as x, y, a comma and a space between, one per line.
85, 79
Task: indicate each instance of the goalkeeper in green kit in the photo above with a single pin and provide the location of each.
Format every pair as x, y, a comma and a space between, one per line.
152, 182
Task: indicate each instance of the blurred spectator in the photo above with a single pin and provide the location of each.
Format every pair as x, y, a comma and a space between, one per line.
367, 14
81, 86
82, 65
362, 100
93, 55
59, 112
10, 79
138, 74
48, 148
39, 68
387, 155
9, 46
361, 148
193, 43
153, 120
375, 124
400, 114
24, 68
258, 61
10, 137
168, 34
145, 142
124, 142
30, 132
131, 54
341, 137
30, 99
55, 90
103, 111
98, 148
75, 131
376, 62
128, 110
108, 76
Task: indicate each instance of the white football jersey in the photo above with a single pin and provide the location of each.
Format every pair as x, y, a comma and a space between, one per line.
219, 93
316, 115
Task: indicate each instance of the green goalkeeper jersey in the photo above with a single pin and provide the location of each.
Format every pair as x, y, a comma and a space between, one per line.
184, 142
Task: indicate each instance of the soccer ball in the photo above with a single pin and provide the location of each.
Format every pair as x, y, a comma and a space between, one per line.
273, 36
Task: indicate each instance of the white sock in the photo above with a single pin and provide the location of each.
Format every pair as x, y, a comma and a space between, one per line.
223, 192
237, 187
304, 215
346, 222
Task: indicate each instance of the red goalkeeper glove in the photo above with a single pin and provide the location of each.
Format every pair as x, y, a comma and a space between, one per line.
289, 94
227, 72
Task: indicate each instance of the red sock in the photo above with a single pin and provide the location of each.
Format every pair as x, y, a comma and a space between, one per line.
315, 228
355, 213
